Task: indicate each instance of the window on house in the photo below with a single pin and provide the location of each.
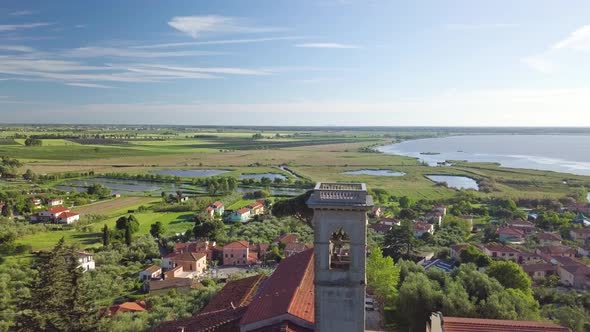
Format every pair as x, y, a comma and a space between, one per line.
232, 255
339, 251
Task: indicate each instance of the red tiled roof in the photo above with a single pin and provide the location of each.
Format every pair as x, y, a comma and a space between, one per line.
581, 231
152, 269
521, 223
422, 226
288, 238
217, 204
549, 236
380, 228
531, 268
556, 250
67, 215
243, 210
285, 326
296, 247
219, 320
460, 324
238, 292
289, 290
510, 231
237, 245
500, 248
256, 205
58, 209
127, 307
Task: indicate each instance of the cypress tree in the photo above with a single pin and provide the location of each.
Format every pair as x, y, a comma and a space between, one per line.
128, 236
106, 236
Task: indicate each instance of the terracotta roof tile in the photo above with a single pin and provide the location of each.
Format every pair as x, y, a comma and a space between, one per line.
237, 245
58, 209
460, 324
243, 210
238, 292
220, 320
289, 290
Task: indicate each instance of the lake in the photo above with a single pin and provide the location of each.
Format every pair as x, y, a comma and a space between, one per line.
122, 186
259, 176
191, 172
455, 181
375, 172
134, 187
560, 153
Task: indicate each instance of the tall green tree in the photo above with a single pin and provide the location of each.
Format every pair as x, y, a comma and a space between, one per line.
106, 236
382, 275
399, 242
157, 229
510, 275
58, 300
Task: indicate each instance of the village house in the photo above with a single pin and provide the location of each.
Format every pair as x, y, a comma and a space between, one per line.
237, 253
572, 272
259, 250
215, 209
137, 306
286, 238
456, 249
440, 208
241, 215
55, 202
510, 235
420, 228
579, 208
380, 228
547, 252
256, 208
539, 271
181, 285
86, 261
434, 217
49, 215
37, 202
500, 251
438, 323
193, 264
152, 272
580, 234
549, 239
67, 218
526, 227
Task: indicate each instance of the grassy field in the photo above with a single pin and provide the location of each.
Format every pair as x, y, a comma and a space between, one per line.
240, 204
113, 206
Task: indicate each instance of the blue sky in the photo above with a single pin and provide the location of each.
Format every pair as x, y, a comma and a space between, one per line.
323, 62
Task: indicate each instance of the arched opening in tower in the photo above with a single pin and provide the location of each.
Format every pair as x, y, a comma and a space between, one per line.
340, 250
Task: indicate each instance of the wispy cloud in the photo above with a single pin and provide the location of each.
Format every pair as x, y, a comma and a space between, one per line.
16, 48
80, 26
213, 70
578, 40
22, 13
327, 45
219, 42
478, 26
571, 51
196, 26
90, 85
15, 27
120, 52
540, 63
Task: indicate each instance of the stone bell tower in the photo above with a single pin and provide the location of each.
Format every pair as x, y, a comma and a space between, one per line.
340, 240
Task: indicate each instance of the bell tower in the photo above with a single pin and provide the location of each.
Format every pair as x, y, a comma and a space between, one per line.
340, 240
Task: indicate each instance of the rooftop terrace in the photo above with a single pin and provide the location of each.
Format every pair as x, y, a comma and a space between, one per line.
340, 194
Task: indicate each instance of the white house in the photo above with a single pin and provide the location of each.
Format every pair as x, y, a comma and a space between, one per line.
86, 261
67, 218
150, 273
55, 202
49, 215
